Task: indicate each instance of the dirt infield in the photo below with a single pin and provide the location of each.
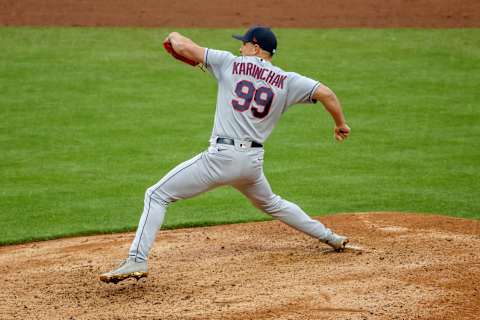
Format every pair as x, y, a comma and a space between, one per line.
402, 266
225, 13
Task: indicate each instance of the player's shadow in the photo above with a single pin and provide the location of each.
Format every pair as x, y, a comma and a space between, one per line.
130, 288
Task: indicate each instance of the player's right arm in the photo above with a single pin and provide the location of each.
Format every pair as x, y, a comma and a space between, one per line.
186, 47
331, 103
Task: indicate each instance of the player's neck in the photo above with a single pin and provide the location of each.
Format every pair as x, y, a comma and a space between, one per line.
264, 56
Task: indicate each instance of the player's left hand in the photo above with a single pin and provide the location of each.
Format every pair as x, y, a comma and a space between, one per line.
342, 132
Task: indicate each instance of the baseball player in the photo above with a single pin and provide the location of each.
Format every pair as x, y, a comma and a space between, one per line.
252, 95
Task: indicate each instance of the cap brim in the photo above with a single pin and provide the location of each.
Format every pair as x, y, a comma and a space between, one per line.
238, 37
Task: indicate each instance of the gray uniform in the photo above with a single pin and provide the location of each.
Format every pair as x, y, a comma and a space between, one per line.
252, 95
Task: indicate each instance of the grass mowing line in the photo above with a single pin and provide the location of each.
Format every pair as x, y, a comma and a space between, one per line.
92, 117
104, 230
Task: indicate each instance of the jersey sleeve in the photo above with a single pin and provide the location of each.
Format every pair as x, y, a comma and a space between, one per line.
300, 89
216, 61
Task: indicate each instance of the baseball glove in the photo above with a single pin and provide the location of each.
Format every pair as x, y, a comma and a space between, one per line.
168, 47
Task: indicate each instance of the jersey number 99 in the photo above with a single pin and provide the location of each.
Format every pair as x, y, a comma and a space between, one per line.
262, 96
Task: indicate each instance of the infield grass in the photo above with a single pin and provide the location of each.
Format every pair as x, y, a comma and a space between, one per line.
92, 117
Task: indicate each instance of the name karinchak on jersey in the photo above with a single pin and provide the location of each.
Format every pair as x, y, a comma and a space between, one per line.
267, 75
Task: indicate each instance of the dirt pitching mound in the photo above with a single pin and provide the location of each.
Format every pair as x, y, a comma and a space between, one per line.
399, 266
222, 13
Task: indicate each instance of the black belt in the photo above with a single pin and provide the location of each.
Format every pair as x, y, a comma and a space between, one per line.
232, 142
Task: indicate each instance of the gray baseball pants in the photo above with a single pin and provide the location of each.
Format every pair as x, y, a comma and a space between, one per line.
240, 166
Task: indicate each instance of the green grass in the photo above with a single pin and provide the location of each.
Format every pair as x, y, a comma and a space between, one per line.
92, 117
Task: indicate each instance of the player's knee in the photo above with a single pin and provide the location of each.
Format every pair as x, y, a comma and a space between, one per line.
270, 205
155, 194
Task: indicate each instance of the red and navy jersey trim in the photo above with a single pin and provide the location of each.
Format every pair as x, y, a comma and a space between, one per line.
310, 96
206, 58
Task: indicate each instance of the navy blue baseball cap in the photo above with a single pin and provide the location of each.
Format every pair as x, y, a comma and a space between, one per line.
263, 36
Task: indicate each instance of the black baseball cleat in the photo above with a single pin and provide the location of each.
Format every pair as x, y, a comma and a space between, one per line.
127, 269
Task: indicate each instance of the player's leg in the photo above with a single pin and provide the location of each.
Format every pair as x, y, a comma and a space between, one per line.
260, 194
188, 179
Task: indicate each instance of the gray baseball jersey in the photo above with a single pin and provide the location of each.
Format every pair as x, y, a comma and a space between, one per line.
253, 94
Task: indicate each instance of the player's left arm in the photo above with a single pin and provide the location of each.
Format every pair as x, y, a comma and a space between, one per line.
331, 103
186, 47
